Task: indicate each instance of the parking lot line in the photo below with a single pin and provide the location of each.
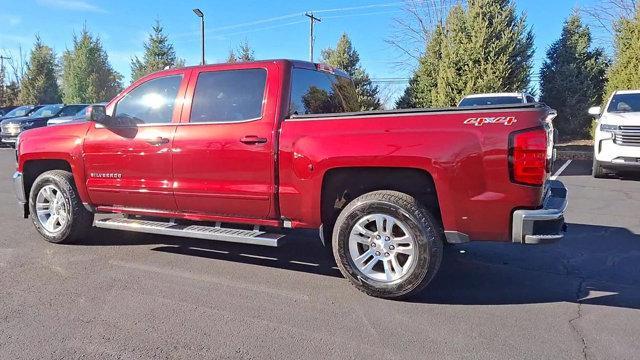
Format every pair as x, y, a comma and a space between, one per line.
557, 173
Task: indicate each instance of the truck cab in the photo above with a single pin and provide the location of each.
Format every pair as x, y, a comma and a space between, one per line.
617, 134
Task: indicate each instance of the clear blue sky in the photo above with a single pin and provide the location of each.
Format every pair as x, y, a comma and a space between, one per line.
124, 25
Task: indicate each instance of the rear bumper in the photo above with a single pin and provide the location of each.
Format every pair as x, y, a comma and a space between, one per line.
545, 225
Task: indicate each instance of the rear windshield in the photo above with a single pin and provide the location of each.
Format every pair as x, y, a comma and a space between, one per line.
491, 100
318, 92
47, 110
625, 103
70, 110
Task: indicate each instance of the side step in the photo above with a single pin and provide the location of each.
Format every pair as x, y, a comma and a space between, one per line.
253, 237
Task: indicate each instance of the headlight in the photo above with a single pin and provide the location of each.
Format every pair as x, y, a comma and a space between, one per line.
608, 128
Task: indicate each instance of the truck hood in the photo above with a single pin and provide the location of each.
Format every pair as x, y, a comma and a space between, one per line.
623, 119
67, 130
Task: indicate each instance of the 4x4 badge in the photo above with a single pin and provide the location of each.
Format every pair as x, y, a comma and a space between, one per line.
505, 120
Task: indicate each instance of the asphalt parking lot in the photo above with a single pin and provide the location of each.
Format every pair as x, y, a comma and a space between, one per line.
134, 296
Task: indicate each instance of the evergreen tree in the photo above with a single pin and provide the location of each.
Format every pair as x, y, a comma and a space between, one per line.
12, 94
345, 57
423, 84
159, 54
245, 53
87, 76
573, 78
488, 48
39, 85
625, 71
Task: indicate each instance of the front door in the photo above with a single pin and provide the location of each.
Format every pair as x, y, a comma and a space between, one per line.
223, 162
128, 161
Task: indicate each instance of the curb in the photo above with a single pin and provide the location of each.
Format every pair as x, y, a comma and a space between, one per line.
574, 155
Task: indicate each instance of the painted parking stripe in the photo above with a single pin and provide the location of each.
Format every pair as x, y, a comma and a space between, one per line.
564, 166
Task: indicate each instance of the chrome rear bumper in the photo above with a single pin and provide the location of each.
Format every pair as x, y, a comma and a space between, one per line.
545, 225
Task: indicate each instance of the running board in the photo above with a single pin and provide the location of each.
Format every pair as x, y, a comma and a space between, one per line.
253, 237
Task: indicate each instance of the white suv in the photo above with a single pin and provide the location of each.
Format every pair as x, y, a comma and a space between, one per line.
617, 135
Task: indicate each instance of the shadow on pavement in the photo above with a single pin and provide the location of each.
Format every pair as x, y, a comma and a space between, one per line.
584, 168
597, 264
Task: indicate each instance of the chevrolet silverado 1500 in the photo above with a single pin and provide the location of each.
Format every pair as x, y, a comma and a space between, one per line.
234, 152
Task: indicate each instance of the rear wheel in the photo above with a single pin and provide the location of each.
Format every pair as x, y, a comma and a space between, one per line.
387, 244
56, 209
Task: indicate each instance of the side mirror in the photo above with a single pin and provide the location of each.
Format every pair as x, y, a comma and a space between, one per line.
595, 111
96, 113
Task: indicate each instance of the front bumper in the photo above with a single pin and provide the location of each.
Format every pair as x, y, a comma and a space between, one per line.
545, 225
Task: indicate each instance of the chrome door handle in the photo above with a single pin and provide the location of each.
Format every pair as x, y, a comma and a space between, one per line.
157, 141
252, 140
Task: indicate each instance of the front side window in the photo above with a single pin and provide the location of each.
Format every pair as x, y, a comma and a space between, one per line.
625, 103
228, 96
150, 103
318, 92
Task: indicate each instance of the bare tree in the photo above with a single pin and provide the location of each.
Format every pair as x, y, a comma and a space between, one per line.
606, 13
413, 28
16, 62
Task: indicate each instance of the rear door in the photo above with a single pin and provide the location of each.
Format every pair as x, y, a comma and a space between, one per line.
129, 162
224, 160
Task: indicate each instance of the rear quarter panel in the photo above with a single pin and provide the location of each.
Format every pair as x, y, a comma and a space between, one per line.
468, 163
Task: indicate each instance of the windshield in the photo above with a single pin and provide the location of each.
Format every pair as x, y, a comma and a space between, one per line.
491, 100
19, 111
47, 110
624, 103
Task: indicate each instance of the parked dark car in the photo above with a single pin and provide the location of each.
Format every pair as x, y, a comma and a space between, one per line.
79, 116
20, 111
6, 109
11, 128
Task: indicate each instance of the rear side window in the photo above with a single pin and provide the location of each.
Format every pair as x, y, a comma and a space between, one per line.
150, 103
228, 96
317, 92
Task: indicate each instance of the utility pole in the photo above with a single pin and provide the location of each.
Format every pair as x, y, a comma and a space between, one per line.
200, 14
2, 59
312, 19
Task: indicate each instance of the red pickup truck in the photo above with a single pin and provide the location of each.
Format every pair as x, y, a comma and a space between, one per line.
234, 152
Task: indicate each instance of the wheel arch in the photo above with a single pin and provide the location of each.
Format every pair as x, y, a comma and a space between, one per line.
340, 186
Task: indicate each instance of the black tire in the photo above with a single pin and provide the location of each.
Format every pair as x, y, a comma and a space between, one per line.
420, 224
597, 170
79, 220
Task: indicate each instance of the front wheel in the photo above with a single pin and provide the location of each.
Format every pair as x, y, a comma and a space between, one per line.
597, 170
56, 209
387, 244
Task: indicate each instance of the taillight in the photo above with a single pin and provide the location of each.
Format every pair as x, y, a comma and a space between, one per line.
528, 157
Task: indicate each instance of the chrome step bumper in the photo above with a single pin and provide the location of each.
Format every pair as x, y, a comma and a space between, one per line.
544, 225
253, 237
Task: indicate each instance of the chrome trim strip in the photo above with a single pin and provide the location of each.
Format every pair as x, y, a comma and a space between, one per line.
411, 112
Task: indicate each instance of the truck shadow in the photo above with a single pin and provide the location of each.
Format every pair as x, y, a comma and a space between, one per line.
592, 265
